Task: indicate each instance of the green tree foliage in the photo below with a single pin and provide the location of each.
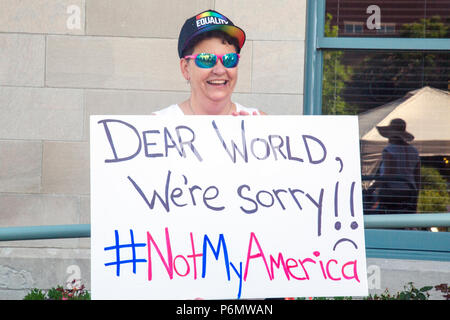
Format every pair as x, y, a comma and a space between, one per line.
433, 196
335, 76
432, 27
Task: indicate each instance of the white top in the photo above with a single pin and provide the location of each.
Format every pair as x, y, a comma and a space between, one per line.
175, 110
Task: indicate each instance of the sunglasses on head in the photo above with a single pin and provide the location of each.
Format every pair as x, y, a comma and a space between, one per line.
209, 60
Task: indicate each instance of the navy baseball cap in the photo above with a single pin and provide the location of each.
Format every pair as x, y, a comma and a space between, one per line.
207, 21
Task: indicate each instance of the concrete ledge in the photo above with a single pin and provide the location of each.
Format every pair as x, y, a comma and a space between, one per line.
394, 274
24, 268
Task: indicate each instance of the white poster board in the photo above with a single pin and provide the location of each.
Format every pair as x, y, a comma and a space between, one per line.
226, 207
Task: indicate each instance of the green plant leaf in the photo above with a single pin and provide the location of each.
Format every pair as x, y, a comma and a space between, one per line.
35, 294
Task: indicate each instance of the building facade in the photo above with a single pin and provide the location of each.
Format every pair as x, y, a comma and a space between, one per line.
64, 60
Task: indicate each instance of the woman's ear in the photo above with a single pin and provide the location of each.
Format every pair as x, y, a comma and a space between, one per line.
184, 67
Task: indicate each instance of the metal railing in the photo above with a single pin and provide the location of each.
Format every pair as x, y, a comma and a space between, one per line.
385, 221
45, 232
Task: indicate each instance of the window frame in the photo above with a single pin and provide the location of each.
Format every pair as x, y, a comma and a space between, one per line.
317, 42
381, 242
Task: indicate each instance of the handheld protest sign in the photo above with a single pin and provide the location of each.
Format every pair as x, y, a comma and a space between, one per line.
220, 207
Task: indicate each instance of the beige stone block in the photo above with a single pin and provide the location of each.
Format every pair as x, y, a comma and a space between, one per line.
141, 18
85, 218
20, 166
128, 102
272, 104
42, 16
114, 63
65, 168
268, 19
278, 67
85, 209
41, 113
244, 83
38, 209
22, 59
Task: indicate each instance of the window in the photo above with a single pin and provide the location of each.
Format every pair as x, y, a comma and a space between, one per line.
380, 86
353, 27
383, 60
387, 28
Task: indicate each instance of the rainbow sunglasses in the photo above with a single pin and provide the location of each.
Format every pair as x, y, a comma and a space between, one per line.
209, 60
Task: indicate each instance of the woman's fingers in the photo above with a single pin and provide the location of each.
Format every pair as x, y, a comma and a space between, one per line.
243, 113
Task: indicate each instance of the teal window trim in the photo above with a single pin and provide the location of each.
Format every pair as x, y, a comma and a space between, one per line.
315, 22
383, 43
408, 245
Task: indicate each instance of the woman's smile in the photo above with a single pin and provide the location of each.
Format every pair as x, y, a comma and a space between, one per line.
217, 83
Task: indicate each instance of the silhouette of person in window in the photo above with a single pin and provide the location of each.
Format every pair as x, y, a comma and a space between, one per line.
398, 184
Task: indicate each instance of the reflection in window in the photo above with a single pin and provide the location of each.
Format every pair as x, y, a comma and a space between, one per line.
357, 81
353, 27
380, 86
390, 18
386, 28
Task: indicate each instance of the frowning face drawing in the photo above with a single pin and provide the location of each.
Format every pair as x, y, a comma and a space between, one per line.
338, 225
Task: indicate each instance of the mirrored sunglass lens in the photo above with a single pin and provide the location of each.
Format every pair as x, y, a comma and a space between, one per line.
230, 60
206, 60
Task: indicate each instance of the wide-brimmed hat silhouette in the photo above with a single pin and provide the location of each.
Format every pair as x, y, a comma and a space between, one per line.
397, 128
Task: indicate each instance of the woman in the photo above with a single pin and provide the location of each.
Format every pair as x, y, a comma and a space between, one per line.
208, 46
399, 184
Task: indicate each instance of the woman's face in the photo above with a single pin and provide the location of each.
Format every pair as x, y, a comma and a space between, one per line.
213, 85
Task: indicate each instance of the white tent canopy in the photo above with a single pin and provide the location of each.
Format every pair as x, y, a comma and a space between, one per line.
426, 112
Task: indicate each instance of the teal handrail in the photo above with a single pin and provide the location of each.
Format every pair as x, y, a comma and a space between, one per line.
45, 232
385, 221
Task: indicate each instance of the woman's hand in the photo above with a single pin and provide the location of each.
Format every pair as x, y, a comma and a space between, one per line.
245, 113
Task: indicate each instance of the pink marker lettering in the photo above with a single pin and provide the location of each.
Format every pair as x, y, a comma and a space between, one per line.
168, 264
254, 256
194, 256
